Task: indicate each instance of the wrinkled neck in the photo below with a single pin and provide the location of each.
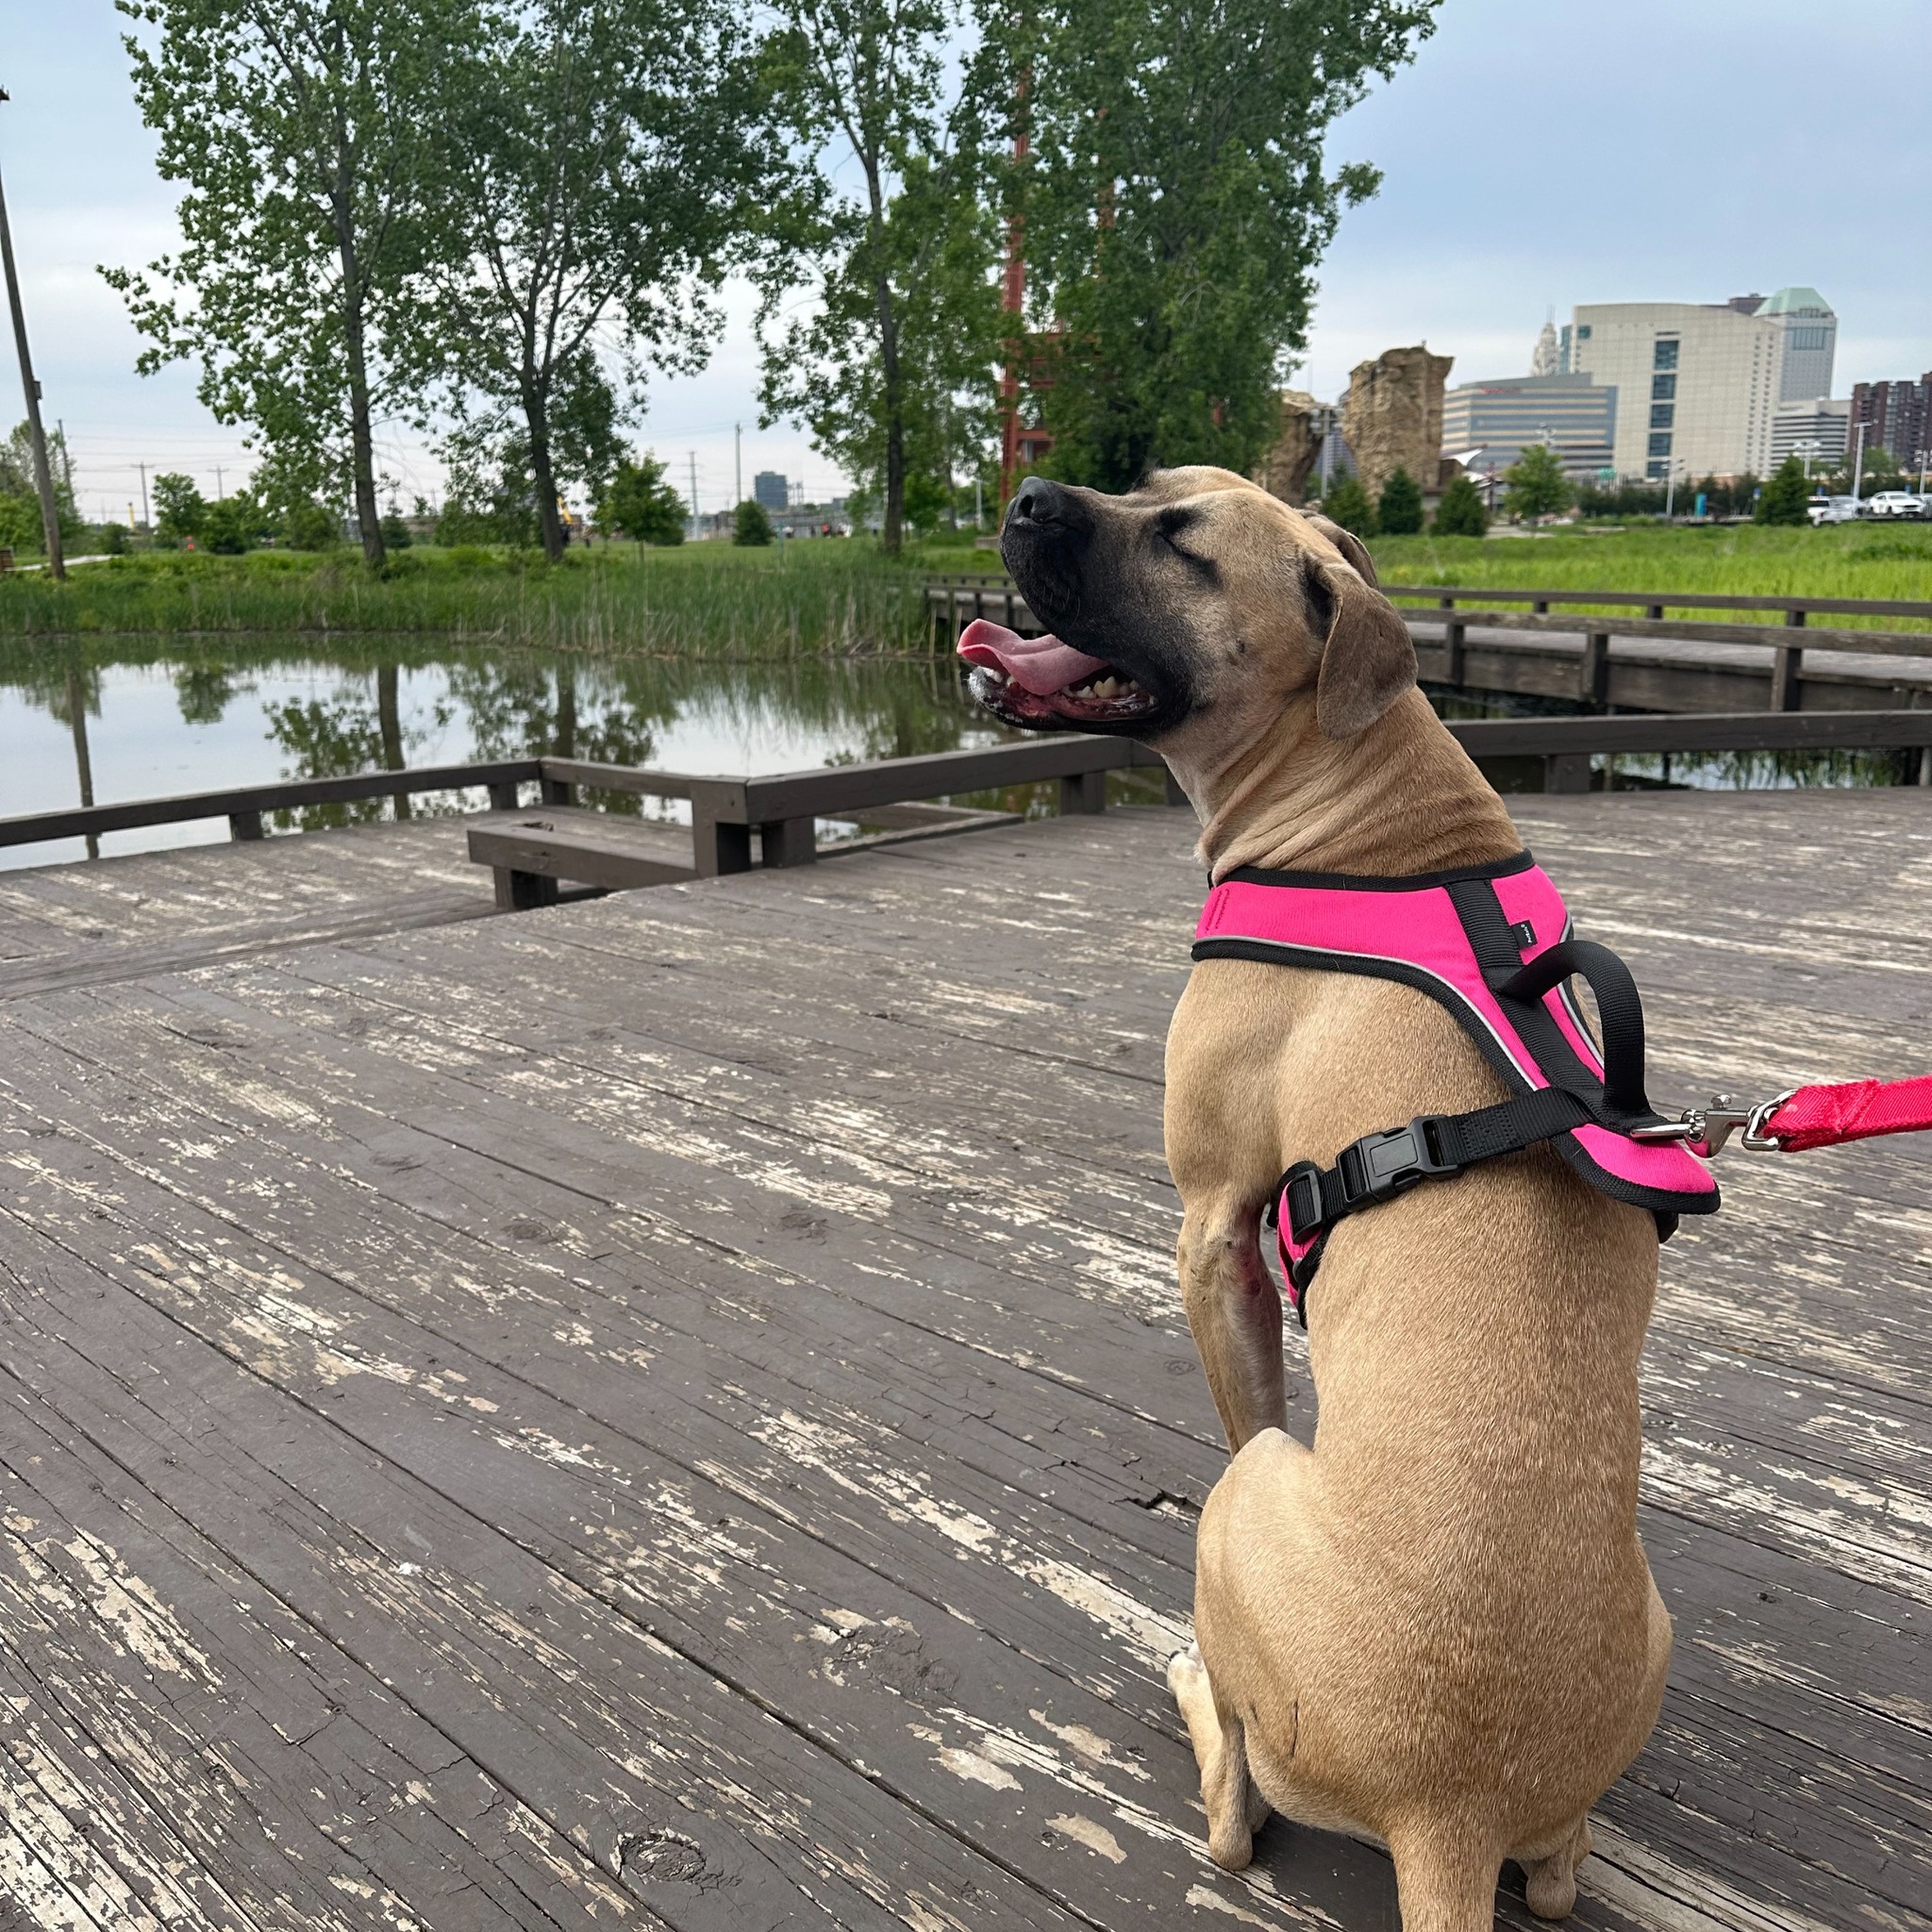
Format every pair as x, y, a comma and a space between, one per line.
1400, 797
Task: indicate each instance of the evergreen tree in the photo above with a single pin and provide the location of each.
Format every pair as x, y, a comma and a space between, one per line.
1347, 504
1786, 495
1400, 509
752, 526
1536, 486
1460, 513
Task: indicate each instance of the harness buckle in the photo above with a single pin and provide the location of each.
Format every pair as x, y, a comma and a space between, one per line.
1381, 1166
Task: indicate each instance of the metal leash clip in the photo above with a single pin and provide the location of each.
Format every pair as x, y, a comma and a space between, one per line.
1704, 1130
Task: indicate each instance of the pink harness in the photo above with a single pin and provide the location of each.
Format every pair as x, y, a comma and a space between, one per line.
1492, 944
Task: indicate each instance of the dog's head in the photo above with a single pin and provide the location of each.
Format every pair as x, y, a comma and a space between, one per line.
1195, 604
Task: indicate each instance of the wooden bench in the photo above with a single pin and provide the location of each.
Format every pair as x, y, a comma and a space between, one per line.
530, 855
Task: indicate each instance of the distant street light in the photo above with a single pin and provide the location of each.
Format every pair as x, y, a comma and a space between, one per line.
1859, 466
1670, 485
44, 477
1809, 449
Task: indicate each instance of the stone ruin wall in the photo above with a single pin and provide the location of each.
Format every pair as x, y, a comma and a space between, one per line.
1391, 417
1286, 469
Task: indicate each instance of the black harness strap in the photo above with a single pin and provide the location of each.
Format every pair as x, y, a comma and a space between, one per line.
1439, 1147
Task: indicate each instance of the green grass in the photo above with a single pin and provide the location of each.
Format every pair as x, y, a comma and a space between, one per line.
1845, 560
695, 600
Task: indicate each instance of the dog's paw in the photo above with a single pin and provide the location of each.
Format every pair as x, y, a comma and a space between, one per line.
1186, 1672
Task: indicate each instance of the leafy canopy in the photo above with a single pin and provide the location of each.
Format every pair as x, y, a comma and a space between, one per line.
640, 505
1783, 499
1460, 513
1399, 509
1347, 503
1535, 486
1177, 204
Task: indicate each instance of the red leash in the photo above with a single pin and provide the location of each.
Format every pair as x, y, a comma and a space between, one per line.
1803, 1117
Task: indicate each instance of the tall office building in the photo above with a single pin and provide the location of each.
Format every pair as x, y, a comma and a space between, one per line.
1810, 342
768, 489
1576, 416
1699, 384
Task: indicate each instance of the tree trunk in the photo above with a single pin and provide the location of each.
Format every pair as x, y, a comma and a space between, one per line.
355, 343
549, 518
892, 534
389, 719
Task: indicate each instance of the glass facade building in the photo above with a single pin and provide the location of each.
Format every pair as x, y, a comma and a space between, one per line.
1576, 416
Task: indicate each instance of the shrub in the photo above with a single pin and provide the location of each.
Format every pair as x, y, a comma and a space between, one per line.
751, 525
232, 525
1460, 513
1347, 504
1400, 509
395, 533
310, 526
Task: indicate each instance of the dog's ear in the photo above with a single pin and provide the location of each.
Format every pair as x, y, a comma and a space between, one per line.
1368, 657
1349, 544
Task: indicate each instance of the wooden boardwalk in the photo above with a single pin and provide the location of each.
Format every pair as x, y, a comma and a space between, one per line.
673, 1411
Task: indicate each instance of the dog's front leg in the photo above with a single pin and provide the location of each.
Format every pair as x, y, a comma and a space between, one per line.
1234, 1310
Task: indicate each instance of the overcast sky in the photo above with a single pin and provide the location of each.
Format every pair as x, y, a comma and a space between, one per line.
1538, 154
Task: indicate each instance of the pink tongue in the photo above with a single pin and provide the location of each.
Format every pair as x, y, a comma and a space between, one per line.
1040, 665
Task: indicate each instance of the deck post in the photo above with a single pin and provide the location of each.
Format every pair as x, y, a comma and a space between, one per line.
1567, 771
502, 795
1593, 679
790, 842
556, 792
245, 825
719, 844
521, 892
1453, 636
1788, 669
1085, 792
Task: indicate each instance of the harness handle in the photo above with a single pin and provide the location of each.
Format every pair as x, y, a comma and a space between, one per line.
1618, 1004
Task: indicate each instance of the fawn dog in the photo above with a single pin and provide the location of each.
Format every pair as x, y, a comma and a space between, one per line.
1435, 1625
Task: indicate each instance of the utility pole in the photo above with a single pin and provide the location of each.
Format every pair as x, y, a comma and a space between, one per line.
43, 480
147, 521
219, 493
1859, 467
693, 455
738, 463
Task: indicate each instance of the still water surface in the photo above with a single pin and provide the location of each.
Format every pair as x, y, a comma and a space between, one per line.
285, 709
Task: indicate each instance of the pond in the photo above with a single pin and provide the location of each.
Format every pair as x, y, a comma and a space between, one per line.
188, 715
257, 711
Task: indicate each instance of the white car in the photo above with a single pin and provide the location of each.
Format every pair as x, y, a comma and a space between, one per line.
1834, 510
1898, 502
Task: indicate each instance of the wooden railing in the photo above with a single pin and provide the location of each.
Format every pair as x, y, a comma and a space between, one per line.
782, 807
961, 599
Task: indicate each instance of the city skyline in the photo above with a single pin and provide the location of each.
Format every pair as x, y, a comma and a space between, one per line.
1483, 225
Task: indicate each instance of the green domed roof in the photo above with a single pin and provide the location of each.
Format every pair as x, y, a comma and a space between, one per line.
1796, 302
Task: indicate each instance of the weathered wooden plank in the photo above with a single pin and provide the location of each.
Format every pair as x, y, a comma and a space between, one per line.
605, 1733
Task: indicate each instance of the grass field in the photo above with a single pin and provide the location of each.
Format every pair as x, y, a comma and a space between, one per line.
1844, 561
714, 600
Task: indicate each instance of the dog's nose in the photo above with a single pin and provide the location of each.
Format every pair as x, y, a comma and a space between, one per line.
1037, 501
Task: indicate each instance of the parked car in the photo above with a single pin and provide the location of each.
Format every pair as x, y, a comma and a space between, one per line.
1834, 510
1899, 503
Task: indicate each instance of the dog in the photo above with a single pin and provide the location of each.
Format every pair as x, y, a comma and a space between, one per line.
1435, 1625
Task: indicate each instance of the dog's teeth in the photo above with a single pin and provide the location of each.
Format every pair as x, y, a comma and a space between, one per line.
1104, 687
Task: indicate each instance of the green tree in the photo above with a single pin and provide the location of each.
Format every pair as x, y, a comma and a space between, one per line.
298, 129
1535, 486
602, 157
1399, 510
640, 505
1460, 513
182, 510
1347, 503
1177, 206
890, 365
750, 525
19, 502
234, 525
1784, 497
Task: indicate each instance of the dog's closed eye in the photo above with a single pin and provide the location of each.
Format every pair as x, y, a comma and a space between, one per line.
1171, 527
